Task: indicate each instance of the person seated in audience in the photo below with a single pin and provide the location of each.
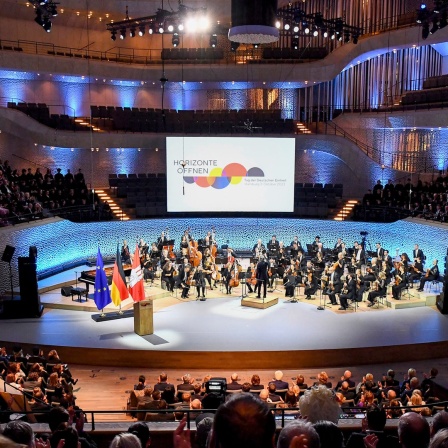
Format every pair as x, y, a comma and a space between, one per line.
413, 385
245, 387
319, 403
395, 410
10, 385
16, 370
186, 400
160, 416
146, 397
33, 380
125, 440
298, 431
162, 382
330, 436
40, 370
38, 401
141, 383
37, 355
233, 385
255, 383
439, 422
20, 432
278, 381
273, 397
264, 395
348, 393
426, 384
387, 397
322, 380
169, 395
141, 431
413, 431
186, 384
300, 382
366, 400
405, 384
376, 422
347, 377
291, 400
197, 392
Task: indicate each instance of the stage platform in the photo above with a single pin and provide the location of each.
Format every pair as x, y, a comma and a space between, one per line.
221, 332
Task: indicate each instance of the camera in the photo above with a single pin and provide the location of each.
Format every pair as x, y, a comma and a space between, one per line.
364, 233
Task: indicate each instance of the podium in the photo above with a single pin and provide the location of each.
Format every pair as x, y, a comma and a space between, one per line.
143, 317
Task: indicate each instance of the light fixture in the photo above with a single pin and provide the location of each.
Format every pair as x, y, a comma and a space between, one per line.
170, 28
296, 28
123, 33
307, 30
151, 29
180, 27
286, 26
175, 40
213, 40
315, 32
113, 35
161, 29
325, 34
132, 32
256, 45
346, 37
425, 30
141, 30
234, 46
278, 24
295, 42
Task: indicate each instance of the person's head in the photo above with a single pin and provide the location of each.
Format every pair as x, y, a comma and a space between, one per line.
330, 435
376, 418
272, 388
203, 429
297, 428
391, 395
156, 395
125, 440
163, 377
57, 416
246, 387
413, 431
278, 375
33, 376
322, 377
440, 440
186, 397
300, 380
434, 372
197, 388
264, 394
196, 404
142, 379
148, 392
68, 435
234, 377
19, 432
53, 379
290, 398
255, 380
186, 378
440, 421
141, 431
319, 403
413, 383
243, 422
347, 374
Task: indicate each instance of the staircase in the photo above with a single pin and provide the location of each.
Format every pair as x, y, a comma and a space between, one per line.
117, 205
344, 211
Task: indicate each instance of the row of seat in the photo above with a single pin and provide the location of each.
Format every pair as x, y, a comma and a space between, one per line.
192, 54
425, 96
38, 111
435, 81
292, 53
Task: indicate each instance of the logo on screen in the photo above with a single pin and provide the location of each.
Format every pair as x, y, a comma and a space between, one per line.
219, 178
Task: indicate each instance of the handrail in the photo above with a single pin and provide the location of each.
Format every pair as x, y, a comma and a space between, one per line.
278, 411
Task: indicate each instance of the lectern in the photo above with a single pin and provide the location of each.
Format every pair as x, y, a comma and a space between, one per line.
143, 317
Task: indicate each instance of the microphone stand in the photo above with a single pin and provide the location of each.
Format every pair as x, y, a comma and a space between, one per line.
322, 304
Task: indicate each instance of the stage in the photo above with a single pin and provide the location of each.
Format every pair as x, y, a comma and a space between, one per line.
220, 332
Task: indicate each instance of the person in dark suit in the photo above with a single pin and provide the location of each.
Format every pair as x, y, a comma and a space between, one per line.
379, 250
359, 255
350, 288
273, 244
400, 283
418, 253
335, 286
278, 381
346, 377
234, 385
162, 383
185, 386
432, 274
262, 275
311, 282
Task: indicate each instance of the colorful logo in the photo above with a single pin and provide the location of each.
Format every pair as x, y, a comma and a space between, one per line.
219, 178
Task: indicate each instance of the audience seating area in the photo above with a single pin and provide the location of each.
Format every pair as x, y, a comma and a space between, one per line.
285, 54
127, 119
147, 194
192, 55
435, 90
390, 202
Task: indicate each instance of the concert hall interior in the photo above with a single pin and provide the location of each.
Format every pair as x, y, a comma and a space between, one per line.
264, 182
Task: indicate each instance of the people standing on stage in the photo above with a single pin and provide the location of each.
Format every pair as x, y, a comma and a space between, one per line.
431, 274
185, 282
379, 251
297, 242
348, 292
262, 275
227, 275
338, 246
258, 249
334, 285
418, 253
359, 255
125, 253
162, 241
230, 255
388, 259
273, 245
168, 274
208, 264
400, 282
316, 244
381, 288
311, 281
199, 279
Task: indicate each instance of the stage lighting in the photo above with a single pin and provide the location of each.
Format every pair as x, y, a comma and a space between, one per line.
123, 33
170, 28
151, 29
47, 24
180, 27
38, 18
213, 40
286, 26
53, 9
234, 46
346, 37
295, 42
132, 32
425, 30
355, 38
161, 29
325, 34
307, 30
256, 45
278, 24
319, 20
296, 28
175, 40
113, 35
315, 32
141, 30
423, 6
333, 36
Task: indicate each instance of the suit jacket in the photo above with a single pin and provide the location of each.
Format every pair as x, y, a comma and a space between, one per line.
162, 386
418, 254
262, 270
234, 385
280, 384
379, 253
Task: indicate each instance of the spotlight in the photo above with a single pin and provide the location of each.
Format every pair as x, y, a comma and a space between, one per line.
151, 29
175, 40
180, 27
425, 30
295, 42
286, 26
113, 35
234, 46
332, 36
141, 30
319, 20
213, 40
346, 37
170, 28
161, 29
132, 32
47, 24
123, 33
307, 30
423, 6
315, 32
256, 45
204, 23
296, 28
278, 24
325, 34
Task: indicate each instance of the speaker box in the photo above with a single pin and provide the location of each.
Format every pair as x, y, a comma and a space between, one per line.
66, 291
33, 252
28, 287
8, 253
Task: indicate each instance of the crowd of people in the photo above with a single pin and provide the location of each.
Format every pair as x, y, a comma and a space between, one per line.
44, 381
29, 194
428, 200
